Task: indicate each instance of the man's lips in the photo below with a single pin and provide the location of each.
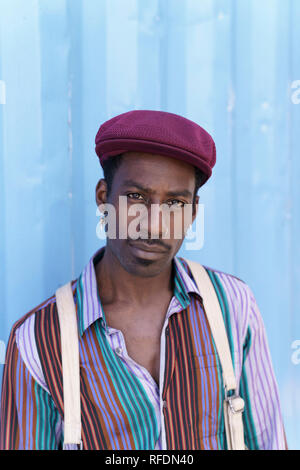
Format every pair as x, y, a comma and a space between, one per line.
146, 247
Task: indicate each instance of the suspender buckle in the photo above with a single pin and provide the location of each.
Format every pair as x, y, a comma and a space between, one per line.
235, 402
80, 445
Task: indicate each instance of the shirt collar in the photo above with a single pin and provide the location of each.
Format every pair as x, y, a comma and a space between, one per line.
89, 303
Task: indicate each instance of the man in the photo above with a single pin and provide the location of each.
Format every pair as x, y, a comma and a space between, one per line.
150, 376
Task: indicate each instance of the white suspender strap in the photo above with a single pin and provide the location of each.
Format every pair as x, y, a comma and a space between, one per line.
234, 405
215, 320
70, 364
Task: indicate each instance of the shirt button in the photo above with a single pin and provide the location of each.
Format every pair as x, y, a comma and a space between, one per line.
118, 350
167, 330
164, 404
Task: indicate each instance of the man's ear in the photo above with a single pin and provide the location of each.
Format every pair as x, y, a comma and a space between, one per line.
101, 192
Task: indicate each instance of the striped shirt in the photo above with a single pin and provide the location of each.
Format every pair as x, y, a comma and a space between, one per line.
122, 406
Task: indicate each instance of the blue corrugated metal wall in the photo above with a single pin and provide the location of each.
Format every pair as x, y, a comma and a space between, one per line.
68, 65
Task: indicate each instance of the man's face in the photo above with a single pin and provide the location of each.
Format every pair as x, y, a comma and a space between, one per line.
150, 180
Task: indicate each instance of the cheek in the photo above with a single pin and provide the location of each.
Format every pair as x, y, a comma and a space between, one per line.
119, 202
127, 224
122, 221
178, 224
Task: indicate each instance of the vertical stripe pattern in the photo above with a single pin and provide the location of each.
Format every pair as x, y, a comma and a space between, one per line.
122, 405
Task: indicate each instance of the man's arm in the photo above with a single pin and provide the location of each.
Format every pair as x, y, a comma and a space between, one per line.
29, 418
263, 424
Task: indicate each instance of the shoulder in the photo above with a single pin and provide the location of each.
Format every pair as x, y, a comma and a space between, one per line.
35, 331
234, 293
48, 306
216, 272
30, 316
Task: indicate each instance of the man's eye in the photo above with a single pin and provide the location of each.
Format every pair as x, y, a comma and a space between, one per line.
134, 196
176, 202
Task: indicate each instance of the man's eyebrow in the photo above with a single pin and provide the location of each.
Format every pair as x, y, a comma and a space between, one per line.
179, 192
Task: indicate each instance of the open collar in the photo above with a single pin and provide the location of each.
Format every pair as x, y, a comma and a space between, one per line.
89, 303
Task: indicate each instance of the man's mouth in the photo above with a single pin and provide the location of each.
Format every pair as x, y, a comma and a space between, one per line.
146, 247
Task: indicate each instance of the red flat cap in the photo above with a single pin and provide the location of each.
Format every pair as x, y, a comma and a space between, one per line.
157, 132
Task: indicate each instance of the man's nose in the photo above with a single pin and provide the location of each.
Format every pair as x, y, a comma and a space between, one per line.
154, 223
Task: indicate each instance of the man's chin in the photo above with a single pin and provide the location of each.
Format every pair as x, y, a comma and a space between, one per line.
145, 267
147, 254
139, 262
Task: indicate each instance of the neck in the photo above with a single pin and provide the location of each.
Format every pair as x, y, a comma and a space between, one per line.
116, 285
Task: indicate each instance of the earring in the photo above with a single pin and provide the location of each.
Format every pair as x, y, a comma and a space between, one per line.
102, 221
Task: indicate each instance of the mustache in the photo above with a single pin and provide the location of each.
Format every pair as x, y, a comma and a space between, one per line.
155, 242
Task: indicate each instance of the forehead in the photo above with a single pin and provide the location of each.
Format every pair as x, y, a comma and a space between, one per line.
155, 168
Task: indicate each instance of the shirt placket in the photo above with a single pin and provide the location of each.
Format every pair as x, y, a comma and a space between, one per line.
116, 340
174, 307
